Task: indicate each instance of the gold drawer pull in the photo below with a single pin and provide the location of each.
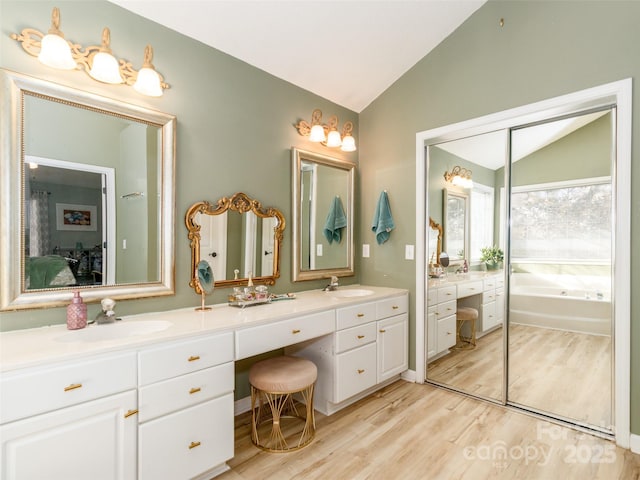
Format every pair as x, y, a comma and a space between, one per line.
193, 358
296, 331
382, 330
359, 315
73, 386
395, 307
194, 390
360, 371
360, 337
129, 413
194, 445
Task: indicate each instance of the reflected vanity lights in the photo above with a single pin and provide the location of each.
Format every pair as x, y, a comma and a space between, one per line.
98, 62
328, 134
459, 176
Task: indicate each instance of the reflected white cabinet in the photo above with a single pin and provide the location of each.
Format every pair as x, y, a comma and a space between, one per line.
368, 349
73, 420
441, 319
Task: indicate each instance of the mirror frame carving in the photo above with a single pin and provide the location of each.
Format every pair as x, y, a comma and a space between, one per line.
240, 203
13, 87
297, 157
438, 228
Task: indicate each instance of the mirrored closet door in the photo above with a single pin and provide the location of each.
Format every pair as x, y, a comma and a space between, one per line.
519, 275
560, 268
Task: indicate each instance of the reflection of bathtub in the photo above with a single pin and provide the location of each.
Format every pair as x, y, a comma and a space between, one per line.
564, 309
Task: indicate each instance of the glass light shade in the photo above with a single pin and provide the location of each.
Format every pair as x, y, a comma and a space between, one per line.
148, 82
333, 139
317, 134
348, 144
55, 52
105, 68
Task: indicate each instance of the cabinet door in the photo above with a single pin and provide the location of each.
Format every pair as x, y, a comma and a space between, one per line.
187, 443
499, 306
393, 346
355, 372
92, 440
431, 332
489, 316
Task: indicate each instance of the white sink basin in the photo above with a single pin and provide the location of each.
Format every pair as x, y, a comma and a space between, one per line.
352, 292
113, 331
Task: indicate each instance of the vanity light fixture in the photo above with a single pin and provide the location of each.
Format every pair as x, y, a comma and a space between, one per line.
459, 176
98, 62
328, 134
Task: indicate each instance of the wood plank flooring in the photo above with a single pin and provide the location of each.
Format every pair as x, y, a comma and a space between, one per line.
566, 373
408, 431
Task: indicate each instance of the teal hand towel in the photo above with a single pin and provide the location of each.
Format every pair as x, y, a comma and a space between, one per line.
382, 219
336, 221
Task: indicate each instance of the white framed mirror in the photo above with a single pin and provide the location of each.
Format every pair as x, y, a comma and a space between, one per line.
456, 224
322, 198
79, 173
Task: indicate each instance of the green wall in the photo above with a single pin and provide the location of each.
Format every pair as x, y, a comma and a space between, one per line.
544, 50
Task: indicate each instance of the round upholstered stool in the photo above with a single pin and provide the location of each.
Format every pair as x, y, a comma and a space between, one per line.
466, 315
276, 423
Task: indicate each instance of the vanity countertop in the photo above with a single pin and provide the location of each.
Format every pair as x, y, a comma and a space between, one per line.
40, 346
457, 278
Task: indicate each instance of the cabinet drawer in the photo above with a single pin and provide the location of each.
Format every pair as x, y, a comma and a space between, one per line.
33, 391
185, 444
357, 315
446, 293
467, 289
392, 306
255, 340
178, 358
446, 333
446, 309
489, 296
184, 391
355, 337
355, 371
489, 283
489, 319
432, 296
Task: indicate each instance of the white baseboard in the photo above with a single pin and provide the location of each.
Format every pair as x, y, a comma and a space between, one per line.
634, 443
409, 376
242, 405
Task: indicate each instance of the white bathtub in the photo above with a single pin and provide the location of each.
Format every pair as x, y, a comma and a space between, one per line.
564, 309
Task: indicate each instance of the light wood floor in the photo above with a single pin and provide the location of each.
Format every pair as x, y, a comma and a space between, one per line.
408, 431
566, 373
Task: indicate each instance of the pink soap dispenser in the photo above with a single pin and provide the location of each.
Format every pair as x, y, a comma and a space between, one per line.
76, 312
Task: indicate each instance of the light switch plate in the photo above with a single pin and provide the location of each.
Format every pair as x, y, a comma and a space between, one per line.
408, 252
365, 250
319, 250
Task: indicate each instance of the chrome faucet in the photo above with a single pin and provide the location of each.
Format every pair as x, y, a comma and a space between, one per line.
333, 285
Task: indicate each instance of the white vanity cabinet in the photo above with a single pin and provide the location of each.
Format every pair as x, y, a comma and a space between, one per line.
71, 420
441, 319
186, 408
368, 349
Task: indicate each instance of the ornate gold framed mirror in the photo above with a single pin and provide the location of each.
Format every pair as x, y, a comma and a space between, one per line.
238, 237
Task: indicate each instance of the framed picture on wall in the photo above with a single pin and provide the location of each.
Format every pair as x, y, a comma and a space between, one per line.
76, 217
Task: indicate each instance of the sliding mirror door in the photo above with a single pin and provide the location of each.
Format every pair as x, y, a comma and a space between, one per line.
561, 282
464, 334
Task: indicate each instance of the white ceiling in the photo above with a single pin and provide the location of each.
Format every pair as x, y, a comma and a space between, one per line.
346, 51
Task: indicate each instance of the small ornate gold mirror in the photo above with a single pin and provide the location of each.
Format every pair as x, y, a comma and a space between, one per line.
238, 237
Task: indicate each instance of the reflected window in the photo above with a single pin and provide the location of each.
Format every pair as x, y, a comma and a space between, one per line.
481, 219
564, 220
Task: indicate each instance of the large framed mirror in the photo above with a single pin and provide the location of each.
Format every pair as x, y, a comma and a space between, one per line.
323, 189
456, 224
239, 239
87, 196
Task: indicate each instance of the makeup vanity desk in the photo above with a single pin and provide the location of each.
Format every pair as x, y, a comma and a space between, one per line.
152, 396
